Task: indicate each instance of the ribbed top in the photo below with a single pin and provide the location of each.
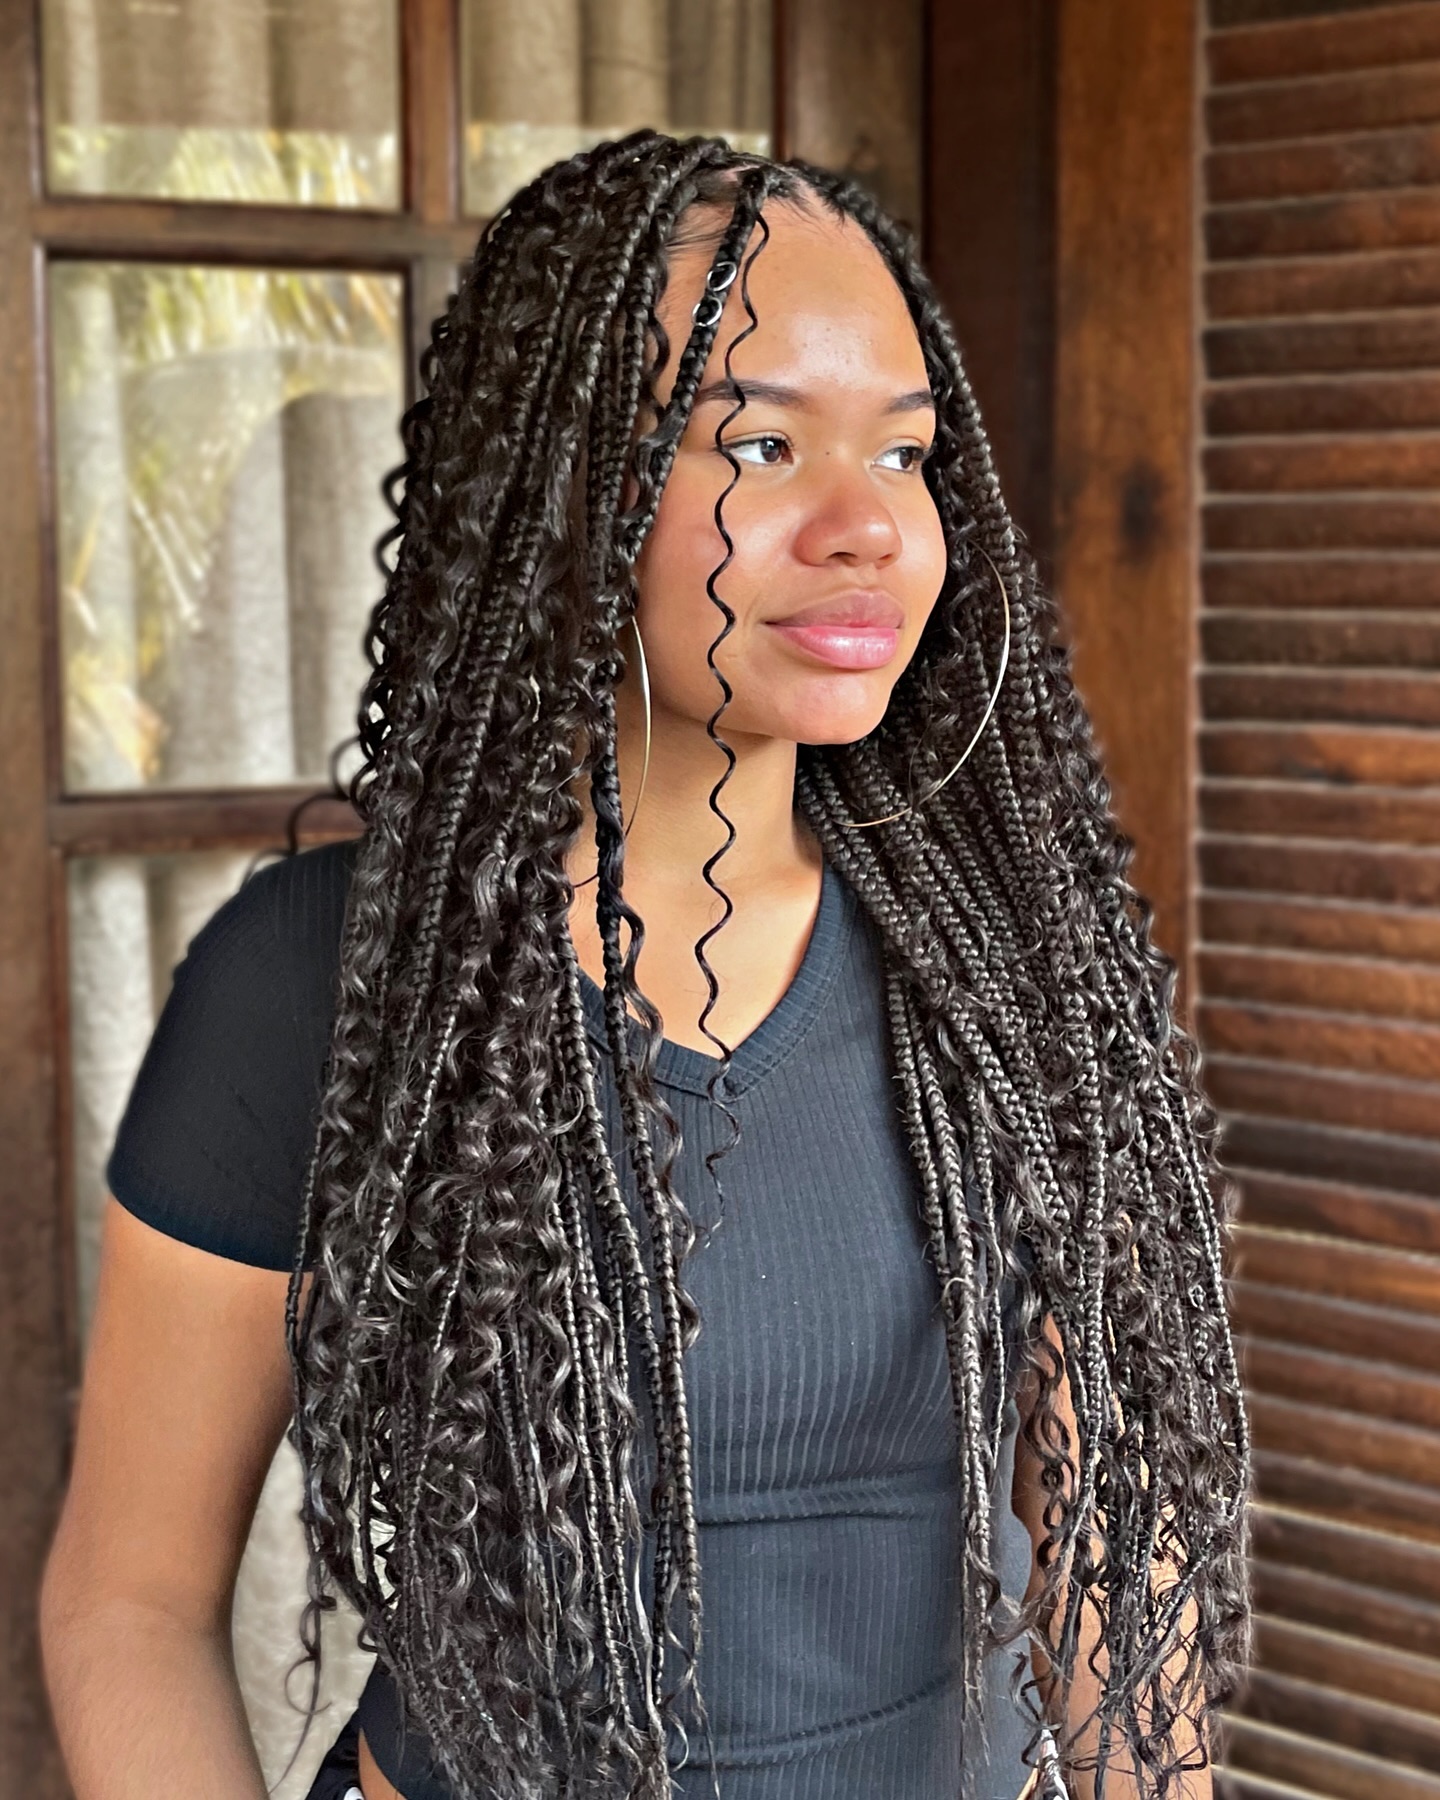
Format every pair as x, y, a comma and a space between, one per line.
689, 1071
823, 1427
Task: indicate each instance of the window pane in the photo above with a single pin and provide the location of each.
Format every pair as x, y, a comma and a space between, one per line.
294, 103
131, 918
221, 435
544, 78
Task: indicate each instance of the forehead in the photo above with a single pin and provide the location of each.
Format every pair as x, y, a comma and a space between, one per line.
828, 309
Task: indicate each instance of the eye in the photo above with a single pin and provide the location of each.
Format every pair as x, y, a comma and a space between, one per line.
915, 453
765, 444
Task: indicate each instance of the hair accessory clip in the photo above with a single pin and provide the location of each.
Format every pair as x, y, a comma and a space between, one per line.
712, 301
714, 305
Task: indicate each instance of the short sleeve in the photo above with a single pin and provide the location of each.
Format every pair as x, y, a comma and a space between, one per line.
216, 1137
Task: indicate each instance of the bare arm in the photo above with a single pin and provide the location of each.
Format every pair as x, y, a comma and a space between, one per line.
186, 1395
1028, 1499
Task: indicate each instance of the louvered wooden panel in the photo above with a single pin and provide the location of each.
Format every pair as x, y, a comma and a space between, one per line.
1319, 861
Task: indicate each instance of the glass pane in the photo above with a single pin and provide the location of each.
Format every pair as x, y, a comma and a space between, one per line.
221, 435
131, 918
293, 103
544, 78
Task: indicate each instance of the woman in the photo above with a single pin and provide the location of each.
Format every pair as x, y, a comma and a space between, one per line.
756, 1310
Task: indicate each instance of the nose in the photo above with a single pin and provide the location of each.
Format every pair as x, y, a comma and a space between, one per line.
848, 519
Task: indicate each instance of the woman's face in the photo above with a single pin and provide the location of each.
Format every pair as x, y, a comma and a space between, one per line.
839, 554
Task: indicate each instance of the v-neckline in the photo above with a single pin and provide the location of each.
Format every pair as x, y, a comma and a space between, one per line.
680, 1066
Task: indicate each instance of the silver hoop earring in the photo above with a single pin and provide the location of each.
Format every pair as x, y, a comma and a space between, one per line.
645, 764
645, 692
990, 705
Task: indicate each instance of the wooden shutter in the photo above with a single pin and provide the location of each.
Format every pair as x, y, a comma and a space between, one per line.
1319, 859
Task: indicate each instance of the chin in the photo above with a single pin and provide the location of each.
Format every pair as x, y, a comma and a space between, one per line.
834, 725
828, 710
841, 712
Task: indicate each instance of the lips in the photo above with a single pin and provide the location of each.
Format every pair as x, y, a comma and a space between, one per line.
862, 610
847, 631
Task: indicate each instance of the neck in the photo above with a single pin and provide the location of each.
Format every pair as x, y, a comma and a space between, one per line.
675, 831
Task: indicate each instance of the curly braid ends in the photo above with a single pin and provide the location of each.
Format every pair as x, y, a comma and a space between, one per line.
488, 1341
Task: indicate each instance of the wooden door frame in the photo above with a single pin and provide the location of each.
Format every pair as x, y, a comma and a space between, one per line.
1060, 226
33, 1421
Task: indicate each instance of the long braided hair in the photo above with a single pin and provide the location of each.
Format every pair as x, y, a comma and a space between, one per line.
488, 1336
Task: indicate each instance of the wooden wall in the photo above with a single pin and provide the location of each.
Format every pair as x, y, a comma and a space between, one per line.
1223, 432
1059, 214
989, 228
1319, 857
1124, 503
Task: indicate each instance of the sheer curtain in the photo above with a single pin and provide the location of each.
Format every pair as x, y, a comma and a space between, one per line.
197, 100
544, 78
221, 436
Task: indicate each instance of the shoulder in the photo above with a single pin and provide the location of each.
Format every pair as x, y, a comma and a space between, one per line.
275, 943
292, 909
217, 1130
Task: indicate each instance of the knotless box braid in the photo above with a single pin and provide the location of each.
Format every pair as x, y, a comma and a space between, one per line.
488, 1336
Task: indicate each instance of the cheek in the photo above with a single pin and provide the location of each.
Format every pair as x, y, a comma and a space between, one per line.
685, 548
925, 557
678, 553
676, 617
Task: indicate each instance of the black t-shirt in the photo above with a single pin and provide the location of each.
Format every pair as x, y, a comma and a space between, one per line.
217, 1133
824, 1433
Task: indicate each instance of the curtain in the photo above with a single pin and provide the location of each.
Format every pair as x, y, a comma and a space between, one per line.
296, 105
544, 78
220, 437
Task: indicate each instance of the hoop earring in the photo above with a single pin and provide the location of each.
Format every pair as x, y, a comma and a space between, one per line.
645, 765
990, 705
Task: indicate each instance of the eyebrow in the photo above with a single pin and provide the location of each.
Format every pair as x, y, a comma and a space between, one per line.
776, 393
